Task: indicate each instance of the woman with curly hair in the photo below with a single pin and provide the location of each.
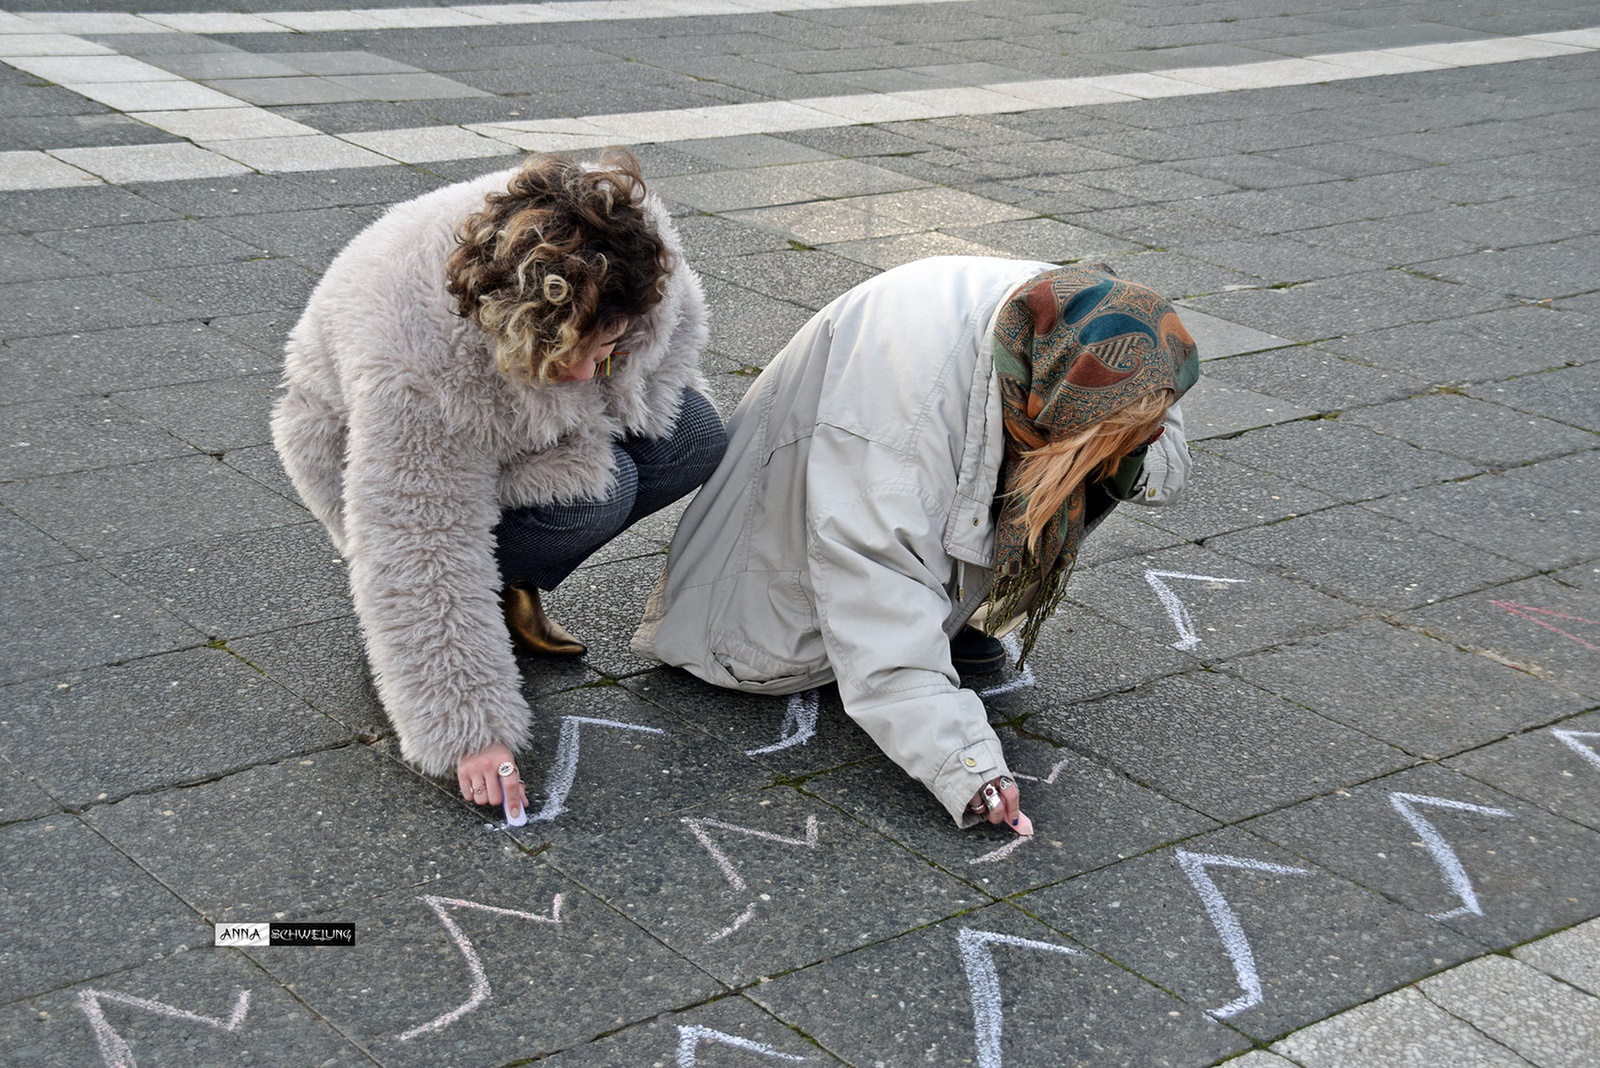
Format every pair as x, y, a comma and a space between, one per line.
910, 478
489, 383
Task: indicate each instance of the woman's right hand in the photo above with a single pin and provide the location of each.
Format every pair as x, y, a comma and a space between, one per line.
479, 776
1008, 811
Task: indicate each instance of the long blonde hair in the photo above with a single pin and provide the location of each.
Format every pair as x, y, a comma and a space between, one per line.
1050, 471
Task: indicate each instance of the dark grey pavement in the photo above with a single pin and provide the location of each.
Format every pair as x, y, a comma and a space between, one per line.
1314, 756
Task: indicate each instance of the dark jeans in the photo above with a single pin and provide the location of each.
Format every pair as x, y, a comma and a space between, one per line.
544, 544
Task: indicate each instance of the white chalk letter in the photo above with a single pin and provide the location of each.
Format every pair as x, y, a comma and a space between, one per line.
1227, 924
564, 769
1443, 855
114, 1049
729, 872
480, 981
1583, 749
799, 723
984, 981
1176, 610
690, 1037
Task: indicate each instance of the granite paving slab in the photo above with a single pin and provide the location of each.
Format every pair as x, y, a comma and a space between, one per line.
194, 1009
296, 838
24, 546
107, 361
1247, 932
1532, 272
201, 713
724, 1031
603, 606
229, 288
1545, 1021
808, 278
1229, 496
1455, 851
1485, 434
989, 985
1487, 346
64, 887
33, 210
1122, 534
212, 416
1217, 338
1514, 515
1213, 410
325, 665
1206, 605
1399, 1028
1542, 625
794, 735
1218, 744
761, 884
1314, 378
34, 308
1354, 554
1557, 769
1335, 456
247, 583
107, 623
1566, 395
1568, 955
24, 259
1050, 240
1085, 816
135, 506
310, 238
1408, 689
509, 928
20, 797
56, 436
148, 246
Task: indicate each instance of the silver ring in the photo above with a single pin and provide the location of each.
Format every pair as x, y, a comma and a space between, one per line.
507, 768
1007, 782
991, 797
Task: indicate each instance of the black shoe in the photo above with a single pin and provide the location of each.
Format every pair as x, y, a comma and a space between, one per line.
975, 653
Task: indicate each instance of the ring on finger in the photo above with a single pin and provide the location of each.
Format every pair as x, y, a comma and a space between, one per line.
991, 797
506, 769
1006, 782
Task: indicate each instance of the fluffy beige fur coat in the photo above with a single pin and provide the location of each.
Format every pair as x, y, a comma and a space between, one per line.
403, 437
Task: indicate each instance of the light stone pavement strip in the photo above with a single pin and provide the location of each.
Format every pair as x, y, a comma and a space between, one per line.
1314, 756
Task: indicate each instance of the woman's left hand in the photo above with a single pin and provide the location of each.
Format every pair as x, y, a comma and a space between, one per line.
1008, 810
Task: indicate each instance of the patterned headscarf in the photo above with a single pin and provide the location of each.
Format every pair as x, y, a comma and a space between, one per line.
1072, 346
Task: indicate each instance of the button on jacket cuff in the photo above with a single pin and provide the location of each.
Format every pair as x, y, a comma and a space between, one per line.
964, 774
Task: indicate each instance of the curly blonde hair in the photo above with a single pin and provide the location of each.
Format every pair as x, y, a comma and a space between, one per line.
1050, 472
566, 256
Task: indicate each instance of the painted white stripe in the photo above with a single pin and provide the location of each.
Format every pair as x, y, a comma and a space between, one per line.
411, 18
288, 153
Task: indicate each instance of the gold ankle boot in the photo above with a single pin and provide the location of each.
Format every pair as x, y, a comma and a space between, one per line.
531, 630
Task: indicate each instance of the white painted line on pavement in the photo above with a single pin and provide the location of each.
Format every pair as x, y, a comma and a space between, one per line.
301, 148
413, 18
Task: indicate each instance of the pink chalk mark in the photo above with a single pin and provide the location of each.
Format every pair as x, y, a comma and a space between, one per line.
480, 981
1523, 610
114, 1049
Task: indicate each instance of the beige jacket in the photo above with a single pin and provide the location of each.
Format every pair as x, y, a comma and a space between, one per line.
848, 531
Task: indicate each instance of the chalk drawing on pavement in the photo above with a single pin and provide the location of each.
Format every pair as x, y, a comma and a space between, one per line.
1573, 740
690, 1037
1530, 613
983, 979
1177, 611
1226, 921
1444, 856
114, 1049
699, 827
799, 723
480, 991
564, 769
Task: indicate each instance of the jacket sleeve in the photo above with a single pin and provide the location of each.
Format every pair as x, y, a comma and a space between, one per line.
420, 510
881, 607
309, 437
1164, 473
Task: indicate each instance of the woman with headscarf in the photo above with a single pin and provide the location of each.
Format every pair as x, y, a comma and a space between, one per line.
925, 454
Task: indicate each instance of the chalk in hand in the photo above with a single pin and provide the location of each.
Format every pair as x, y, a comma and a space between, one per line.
521, 818
1022, 825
